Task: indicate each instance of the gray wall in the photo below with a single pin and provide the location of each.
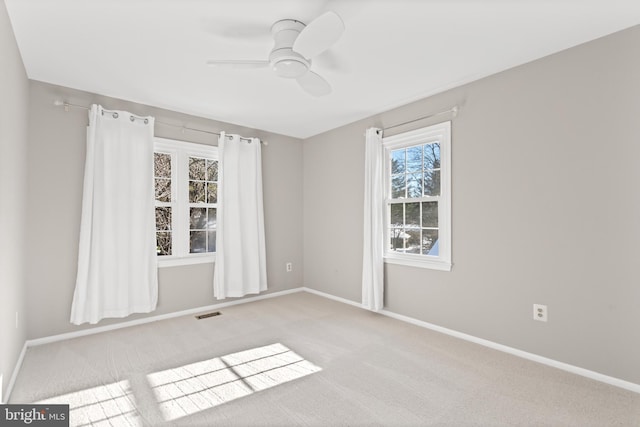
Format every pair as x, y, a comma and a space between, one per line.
14, 88
546, 209
56, 154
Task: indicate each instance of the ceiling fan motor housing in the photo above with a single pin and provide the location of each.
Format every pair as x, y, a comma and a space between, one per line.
284, 60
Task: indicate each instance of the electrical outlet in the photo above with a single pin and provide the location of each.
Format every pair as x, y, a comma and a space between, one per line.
540, 312
289, 267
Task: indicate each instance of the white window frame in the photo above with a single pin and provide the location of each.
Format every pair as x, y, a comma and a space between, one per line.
180, 152
441, 133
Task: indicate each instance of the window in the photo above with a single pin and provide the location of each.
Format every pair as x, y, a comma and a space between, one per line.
186, 186
203, 199
418, 197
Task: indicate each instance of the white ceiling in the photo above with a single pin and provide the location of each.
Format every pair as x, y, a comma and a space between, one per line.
391, 53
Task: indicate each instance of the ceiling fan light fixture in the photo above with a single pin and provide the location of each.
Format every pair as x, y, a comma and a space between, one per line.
290, 68
289, 63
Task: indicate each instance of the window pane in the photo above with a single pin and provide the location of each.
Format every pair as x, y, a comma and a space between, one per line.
398, 185
212, 192
211, 241
412, 214
429, 214
414, 159
196, 191
397, 215
396, 237
430, 242
414, 185
432, 156
212, 170
163, 243
397, 161
163, 190
197, 218
412, 240
197, 168
211, 218
163, 219
162, 165
432, 183
198, 242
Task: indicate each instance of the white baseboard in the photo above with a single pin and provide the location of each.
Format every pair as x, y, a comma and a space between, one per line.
84, 332
500, 347
14, 375
333, 297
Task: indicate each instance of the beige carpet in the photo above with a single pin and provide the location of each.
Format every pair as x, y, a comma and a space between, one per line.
304, 360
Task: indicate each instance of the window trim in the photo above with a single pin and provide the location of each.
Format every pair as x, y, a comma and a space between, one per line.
440, 132
180, 152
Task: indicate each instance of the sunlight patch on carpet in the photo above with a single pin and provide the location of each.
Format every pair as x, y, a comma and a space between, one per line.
109, 404
196, 387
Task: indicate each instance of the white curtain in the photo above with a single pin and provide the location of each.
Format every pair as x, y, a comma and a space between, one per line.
372, 261
240, 267
117, 269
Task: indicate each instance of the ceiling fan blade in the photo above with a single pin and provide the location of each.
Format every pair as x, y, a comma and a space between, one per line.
238, 64
319, 35
314, 84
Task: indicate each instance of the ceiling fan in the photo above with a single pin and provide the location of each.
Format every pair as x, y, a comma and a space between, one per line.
295, 45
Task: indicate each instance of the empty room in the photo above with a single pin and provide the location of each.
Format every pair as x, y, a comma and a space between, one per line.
320, 212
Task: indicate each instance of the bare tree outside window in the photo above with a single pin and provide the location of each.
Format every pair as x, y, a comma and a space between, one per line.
413, 219
186, 200
203, 196
162, 179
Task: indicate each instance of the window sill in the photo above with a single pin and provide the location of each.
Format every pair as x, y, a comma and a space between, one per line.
167, 261
431, 264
